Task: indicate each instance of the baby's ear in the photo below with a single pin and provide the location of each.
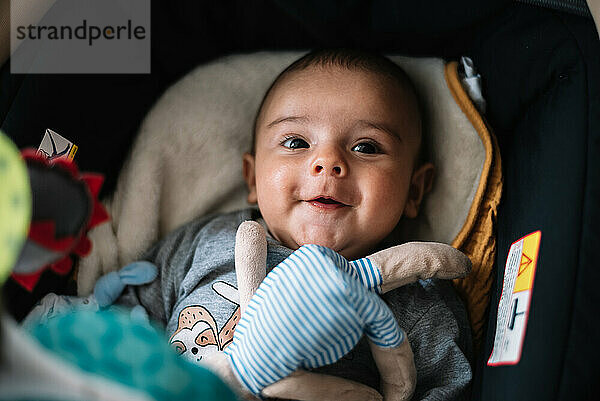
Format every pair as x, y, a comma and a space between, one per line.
248, 165
420, 183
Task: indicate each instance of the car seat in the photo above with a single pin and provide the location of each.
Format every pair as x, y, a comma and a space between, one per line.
540, 69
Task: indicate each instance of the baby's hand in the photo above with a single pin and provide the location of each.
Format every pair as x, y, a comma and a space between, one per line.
308, 312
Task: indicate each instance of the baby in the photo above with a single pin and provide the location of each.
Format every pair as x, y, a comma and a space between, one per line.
337, 160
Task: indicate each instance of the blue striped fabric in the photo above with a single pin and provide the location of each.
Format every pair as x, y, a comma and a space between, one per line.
367, 274
309, 311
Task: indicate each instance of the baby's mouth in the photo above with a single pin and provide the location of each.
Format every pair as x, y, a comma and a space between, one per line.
327, 203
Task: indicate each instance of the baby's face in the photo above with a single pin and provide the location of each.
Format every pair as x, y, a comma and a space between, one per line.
334, 157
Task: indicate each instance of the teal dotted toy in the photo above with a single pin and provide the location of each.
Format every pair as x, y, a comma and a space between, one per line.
112, 344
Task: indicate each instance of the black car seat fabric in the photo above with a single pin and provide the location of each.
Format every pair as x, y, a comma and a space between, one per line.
542, 83
541, 79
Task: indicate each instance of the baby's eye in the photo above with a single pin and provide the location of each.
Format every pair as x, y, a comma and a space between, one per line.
295, 143
366, 147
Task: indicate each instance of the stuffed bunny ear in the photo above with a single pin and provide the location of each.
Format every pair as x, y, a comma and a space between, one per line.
250, 259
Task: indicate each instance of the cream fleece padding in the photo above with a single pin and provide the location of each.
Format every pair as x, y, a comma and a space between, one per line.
455, 149
186, 160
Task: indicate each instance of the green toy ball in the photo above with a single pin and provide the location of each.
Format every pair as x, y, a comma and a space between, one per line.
15, 205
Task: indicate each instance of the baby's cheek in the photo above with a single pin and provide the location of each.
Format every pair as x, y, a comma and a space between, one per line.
275, 179
390, 185
388, 199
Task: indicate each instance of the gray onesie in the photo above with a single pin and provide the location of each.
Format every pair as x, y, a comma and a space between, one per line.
196, 297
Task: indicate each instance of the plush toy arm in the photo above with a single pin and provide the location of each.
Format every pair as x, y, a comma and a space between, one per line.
407, 263
404, 264
397, 370
250, 259
309, 386
300, 385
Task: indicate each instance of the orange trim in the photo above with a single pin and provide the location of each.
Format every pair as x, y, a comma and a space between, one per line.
477, 236
464, 102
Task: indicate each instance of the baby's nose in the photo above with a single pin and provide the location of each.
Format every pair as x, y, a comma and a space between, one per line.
329, 164
337, 170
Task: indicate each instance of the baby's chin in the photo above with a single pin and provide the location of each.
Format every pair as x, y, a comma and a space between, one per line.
336, 237
344, 247
328, 237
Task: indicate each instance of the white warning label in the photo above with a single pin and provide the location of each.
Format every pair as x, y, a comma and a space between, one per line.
54, 146
513, 308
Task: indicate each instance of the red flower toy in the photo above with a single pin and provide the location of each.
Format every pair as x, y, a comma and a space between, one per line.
65, 207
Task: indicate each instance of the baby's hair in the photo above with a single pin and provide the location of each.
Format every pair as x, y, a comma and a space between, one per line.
351, 59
